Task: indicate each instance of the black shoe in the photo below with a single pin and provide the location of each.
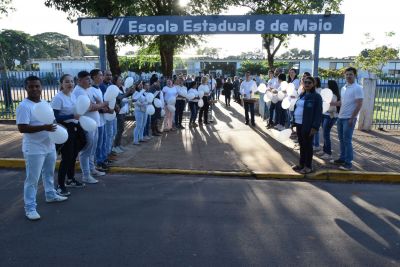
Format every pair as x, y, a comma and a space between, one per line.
63, 191
74, 183
105, 165
100, 168
253, 124
247, 123
338, 162
181, 127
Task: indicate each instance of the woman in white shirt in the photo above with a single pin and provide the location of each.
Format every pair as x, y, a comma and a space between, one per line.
205, 88
193, 104
170, 92
64, 108
140, 103
318, 89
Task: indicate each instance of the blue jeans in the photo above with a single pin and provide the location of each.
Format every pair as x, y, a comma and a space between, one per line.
249, 107
109, 127
193, 106
140, 118
101, 154
345, 133
327, 124
316, 139
86, 159
146, 131
38, 165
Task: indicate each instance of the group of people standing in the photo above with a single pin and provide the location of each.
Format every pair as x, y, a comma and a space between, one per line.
306, 116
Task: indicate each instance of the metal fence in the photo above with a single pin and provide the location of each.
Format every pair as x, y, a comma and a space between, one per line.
387, 105
386, 108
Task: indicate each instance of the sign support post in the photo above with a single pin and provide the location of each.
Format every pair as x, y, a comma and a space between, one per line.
102, 51
317, 40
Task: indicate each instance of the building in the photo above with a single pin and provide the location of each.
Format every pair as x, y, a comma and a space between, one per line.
70, 65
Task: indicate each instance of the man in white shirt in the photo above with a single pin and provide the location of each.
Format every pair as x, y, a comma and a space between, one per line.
38, 149
352, 95
247, 90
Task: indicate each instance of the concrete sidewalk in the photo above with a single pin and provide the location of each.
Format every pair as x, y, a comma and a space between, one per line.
230, 145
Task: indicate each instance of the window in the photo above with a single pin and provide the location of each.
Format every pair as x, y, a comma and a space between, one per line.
57, 67
394, 69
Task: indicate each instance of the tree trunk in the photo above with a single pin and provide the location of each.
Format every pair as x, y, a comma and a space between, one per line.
112, 55
167, 61
270, 59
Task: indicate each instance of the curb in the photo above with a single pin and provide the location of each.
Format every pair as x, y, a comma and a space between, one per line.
326, 175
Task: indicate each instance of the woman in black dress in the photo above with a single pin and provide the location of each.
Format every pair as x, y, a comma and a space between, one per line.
228, 87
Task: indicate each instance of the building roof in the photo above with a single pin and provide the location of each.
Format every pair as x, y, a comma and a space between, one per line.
67, 58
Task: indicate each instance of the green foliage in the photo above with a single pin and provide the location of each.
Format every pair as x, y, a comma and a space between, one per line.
5, 7
296, 53
330, 73
145, 60
372, 60
255, 67
209, 52
17, 45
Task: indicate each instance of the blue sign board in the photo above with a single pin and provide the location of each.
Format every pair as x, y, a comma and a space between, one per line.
246, 24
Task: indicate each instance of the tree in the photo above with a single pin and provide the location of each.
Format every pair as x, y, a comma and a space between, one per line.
209, 52
372, 60
5, 7
273, 42
97, 8
255, 67
257, 54
296, 53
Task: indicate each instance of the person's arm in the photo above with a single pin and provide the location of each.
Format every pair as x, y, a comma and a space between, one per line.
354, 115
26, 128
61, 118
317, 118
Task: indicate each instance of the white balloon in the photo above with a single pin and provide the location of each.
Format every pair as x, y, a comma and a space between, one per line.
149, 97
59, 136
43, 112
281, 95
290, 89
327, 95
325, 106
82, 104
267, 98
190, 96
171, 108
200, 103
109, 117
150, 110
269, 94
275, 99
162, 113
201, 93
157, 103
111, 103
292, 103
284, 135
286, 103
128, 82
262, 88
284, 86
87, 123
171, 101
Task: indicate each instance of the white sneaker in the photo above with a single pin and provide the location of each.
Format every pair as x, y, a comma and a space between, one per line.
326, 156
56, 198
320, 153
316, 148
121, 148
95, 172
89, 180
117, 150
32, 215
147, 138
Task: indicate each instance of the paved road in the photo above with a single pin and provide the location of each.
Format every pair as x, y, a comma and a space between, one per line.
147, 220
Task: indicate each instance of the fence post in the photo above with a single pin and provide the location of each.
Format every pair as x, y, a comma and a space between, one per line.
366, 115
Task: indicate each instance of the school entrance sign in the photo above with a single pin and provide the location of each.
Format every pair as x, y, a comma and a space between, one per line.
213, 24
251, 24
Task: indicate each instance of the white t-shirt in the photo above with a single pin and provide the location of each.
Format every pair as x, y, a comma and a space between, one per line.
124, 103
80, 91
275, 83
99, 95
332, 111
196, 95
33, 143
212, 83
348, 95
181, 89
205, 88
296, 83
169, 92
248, 88
64, 104
298, 112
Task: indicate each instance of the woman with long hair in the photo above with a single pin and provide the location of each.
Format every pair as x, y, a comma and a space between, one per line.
329, 119
204, 86
64, 107
307, 120
140, 103
193, 104
318, 89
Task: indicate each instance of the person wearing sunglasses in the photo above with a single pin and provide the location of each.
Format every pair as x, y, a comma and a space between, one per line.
307, 120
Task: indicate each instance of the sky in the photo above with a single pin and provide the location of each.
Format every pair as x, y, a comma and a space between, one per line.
361, 16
